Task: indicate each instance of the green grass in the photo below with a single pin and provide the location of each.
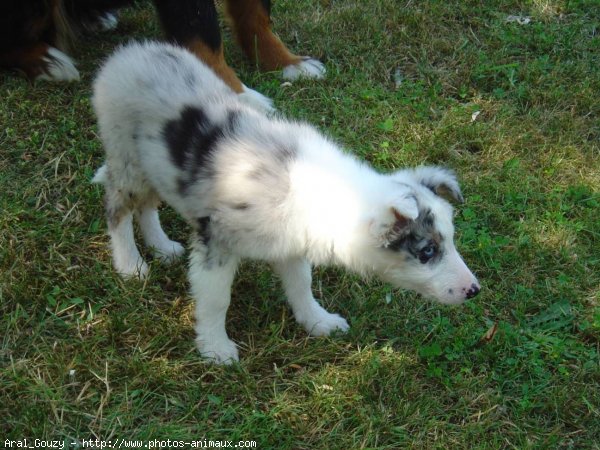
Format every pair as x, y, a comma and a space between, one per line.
85, 355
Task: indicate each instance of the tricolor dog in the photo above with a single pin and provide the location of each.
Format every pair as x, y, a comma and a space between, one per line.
256, 187
35, 36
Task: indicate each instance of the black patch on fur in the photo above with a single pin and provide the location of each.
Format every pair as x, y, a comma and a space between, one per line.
212, 254
182, 135
191, 140
185, 21
415, 238
202, 229
240, 206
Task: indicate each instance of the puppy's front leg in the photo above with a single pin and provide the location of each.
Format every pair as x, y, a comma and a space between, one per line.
211, 274
296, 277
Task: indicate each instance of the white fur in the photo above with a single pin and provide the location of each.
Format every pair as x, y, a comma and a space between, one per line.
258, 187
127, 259
108, 21
164, 248
296, 277
307, 68
60, 67
256, 100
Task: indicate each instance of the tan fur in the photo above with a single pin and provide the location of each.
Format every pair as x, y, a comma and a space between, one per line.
216, 61
253, 31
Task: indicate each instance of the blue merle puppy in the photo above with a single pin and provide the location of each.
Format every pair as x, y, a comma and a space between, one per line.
251, 186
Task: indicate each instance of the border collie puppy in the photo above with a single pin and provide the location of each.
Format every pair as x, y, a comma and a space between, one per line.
34, 36
252, 186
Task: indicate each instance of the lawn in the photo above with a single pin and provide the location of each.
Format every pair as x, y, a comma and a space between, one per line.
513, 108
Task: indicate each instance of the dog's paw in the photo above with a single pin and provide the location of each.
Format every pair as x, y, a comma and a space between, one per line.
169, 252
223, 351
257, 100
322, 323
107, 22
133, 270
307, 68
59, 67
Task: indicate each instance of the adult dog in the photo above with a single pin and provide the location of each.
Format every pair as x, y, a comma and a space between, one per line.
34, 36
257, 187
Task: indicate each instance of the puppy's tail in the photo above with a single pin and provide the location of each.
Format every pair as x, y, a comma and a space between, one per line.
101, 175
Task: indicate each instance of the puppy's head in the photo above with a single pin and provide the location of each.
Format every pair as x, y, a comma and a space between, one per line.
414, 236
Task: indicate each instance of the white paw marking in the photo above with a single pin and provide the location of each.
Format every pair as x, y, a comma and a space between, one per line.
108, 22
222, 351
138, 270
60, 67
169, 252
307, 68
257, 100
322, 323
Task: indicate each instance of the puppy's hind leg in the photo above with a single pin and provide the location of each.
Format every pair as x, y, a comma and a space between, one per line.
211, 274
296, 277
164, 248
119, 216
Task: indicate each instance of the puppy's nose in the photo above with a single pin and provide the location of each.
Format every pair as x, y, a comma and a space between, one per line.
473, 291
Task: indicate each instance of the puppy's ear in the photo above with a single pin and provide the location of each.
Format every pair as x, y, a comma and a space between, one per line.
439, 180
405, 207
395, 217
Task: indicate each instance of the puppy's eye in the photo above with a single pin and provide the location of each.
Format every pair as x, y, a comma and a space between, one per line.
427, 253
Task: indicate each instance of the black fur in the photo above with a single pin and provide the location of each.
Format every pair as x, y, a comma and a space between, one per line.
202, 230
16, 23
187, 20
191, 139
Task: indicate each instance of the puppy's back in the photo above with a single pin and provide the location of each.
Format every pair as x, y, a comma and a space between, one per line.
152, 82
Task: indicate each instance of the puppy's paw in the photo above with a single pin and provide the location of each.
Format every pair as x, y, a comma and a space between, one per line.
257, 100
322, 323
59, 67
132, 269
222, 351
307, 68
169, 252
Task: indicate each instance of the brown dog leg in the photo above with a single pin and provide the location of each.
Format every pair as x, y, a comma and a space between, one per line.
252, 26
194, 24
